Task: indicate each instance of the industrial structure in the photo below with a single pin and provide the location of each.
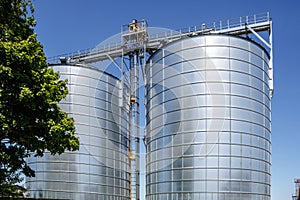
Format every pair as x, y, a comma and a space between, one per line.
208, 93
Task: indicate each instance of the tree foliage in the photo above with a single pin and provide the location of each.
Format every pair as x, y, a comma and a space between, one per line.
31, 121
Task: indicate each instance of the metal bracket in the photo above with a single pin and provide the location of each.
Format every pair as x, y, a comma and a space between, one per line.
259, 37
113, 61
270, 46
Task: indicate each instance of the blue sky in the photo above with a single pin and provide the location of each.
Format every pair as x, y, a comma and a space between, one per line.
68, 25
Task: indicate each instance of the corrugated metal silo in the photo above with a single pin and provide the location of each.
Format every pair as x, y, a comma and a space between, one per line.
208, 120
99, 170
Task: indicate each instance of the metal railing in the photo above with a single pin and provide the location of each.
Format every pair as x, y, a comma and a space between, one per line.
222, 25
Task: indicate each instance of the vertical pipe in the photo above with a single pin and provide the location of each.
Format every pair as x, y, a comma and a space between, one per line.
134, 124
271, 61
136, 121
130, 129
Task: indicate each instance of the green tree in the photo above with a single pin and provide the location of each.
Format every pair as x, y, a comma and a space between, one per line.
31, 121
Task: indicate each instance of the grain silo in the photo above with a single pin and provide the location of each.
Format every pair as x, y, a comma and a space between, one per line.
208, 120
99, 170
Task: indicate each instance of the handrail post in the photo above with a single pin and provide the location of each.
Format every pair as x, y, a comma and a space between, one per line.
240, 21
